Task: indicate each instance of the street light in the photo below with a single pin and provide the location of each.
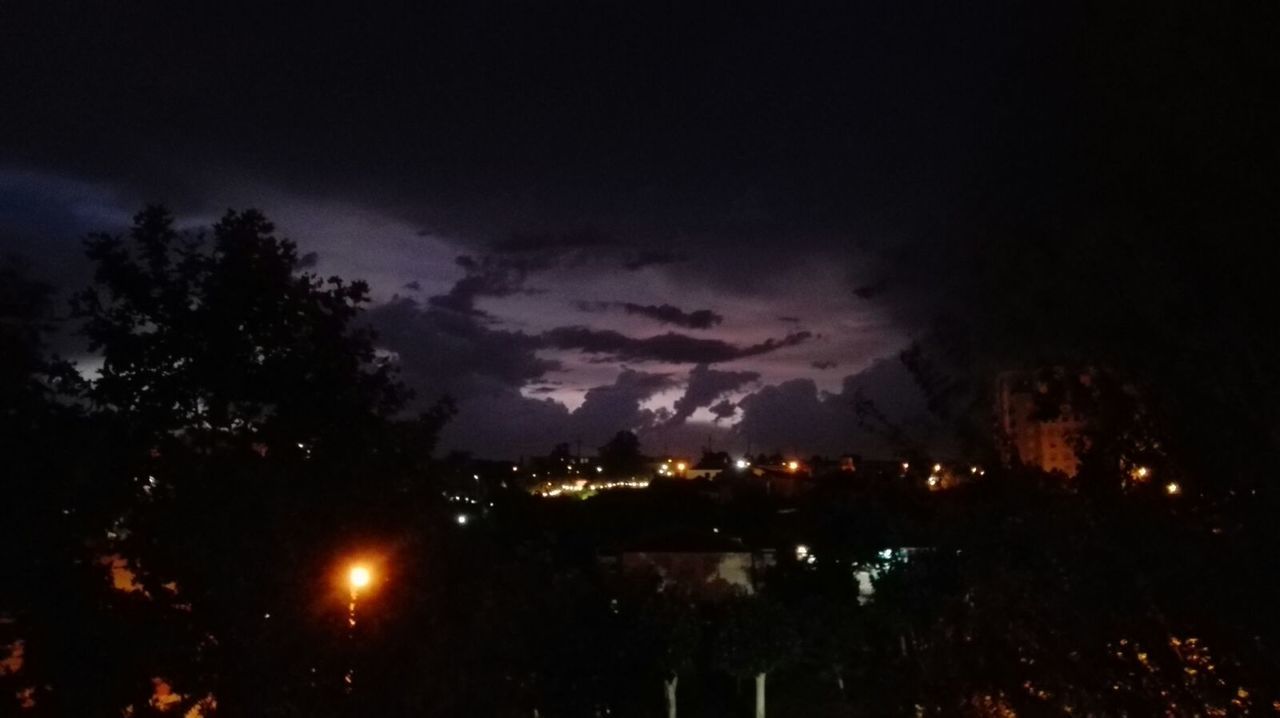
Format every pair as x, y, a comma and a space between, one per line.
358, 577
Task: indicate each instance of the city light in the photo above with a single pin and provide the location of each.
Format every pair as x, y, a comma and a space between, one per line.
973, 469
933, 481
1172, 488
937, 468
680, 466
743, 463
1142, 472
804, 555
583, 488
599, 469
793, 465
462, 519
905, 466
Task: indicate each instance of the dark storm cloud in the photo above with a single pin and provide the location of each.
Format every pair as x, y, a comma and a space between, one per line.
667, 314
43, 218
643, 259
488, 276
548, 242
920, 145
449, 353
663, 313
870, 291
796, 416
445, 353
823, 364
741, 137
724, 409
670, 347
607, 409
705, 386
414, 286
503, 423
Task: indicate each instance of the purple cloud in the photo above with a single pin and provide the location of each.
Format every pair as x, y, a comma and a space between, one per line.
705, 386
664, 313
670, 347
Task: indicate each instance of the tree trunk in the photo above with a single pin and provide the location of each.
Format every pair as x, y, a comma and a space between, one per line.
760, 695
669, 688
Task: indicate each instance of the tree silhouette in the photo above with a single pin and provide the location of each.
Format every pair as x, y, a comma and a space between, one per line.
71, 630
260, 445
756, 635
666, 635
621, 455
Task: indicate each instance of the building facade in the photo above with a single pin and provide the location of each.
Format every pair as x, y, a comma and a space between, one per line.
1032, 436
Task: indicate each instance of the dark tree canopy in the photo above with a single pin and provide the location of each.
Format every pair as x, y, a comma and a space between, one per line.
621, 455
229, 336
257, 442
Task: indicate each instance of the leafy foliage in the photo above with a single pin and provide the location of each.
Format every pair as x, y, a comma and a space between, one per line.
256, 443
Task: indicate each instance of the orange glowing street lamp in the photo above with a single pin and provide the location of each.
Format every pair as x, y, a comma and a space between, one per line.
359, 577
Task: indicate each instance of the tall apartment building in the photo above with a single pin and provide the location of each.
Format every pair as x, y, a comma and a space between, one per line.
1046, 443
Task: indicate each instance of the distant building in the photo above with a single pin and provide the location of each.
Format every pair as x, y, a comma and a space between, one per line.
708, 566
1029, 435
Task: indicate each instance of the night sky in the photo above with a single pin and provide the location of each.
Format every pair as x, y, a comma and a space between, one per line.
710, 225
